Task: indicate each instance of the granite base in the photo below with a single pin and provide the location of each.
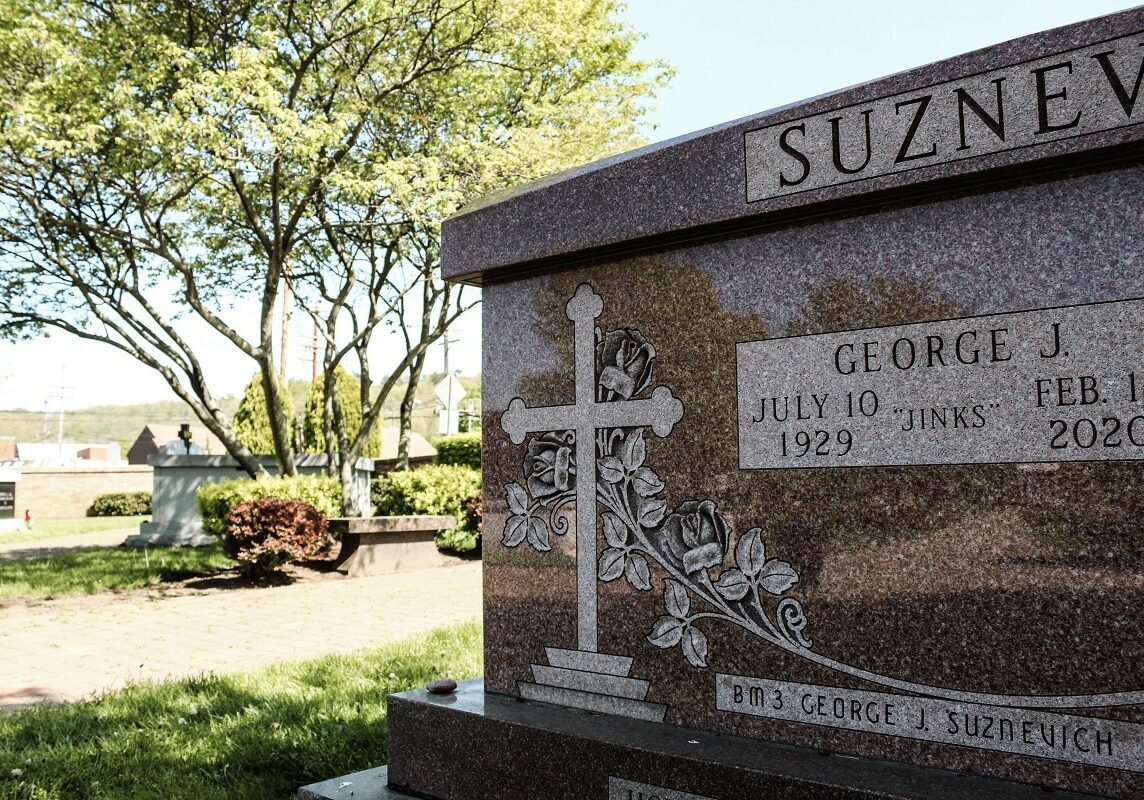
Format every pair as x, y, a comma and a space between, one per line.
474, 745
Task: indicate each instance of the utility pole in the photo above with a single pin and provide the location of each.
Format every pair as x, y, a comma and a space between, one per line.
61, 396
284, 336
445, 340
314, 354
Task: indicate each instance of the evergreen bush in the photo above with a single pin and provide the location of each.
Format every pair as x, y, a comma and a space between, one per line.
217, 500
460, 448
349, 390
251, 420
121, 504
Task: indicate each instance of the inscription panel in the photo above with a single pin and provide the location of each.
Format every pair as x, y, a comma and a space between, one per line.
621, 789
1060, 384
1068, 94
1042, 734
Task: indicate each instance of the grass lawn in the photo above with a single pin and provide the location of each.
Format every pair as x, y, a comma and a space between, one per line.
55, 528
251, 735
106, 569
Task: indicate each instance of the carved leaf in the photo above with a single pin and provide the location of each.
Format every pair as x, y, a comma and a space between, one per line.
778, 576
646, 483
634, 451
517, 498
666, 632
702, 557
695, 648
611, 469
637, 573
733, 584
615, 532
675, 599
651, 512
751, 552
538, 535
611, 564
515, 530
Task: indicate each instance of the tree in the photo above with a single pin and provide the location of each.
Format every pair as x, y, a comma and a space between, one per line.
169, 167
314, 432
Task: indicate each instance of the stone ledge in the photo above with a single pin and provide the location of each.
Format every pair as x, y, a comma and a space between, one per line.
383, 545
369, 784
477, 746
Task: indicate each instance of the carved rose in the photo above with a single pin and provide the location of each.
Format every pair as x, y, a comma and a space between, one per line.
694, 536
550, 466
623, 365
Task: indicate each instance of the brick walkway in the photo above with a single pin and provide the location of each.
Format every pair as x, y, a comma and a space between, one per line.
68, 649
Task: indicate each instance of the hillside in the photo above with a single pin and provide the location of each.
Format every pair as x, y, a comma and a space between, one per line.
122, 423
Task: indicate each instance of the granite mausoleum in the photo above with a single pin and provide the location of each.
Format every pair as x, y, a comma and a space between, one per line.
813, 452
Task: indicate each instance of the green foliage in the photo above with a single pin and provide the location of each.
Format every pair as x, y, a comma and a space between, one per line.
217, 500
460, 448
349, 390
262, 535
106, 570
251, 421
467, 537
432, 489
458, 540
121, 504
201, 151
250, 736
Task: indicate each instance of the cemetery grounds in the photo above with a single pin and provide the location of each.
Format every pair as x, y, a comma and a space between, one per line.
239, 690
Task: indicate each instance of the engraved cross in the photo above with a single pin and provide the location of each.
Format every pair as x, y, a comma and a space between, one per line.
661, 411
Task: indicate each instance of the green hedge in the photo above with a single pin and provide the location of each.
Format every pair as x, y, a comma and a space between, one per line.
432, 489
121, 504
463, 449
217, 500
435, 489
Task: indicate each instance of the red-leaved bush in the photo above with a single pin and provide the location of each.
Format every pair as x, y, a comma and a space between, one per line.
262, 535
475, 512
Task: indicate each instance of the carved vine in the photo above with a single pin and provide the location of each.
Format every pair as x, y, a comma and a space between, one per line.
691, 543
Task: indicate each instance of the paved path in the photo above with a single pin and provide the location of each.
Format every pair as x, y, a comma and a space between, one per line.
68, 649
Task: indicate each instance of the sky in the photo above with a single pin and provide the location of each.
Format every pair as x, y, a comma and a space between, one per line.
732, 58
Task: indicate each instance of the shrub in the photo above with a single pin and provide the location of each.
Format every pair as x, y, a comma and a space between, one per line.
432, 489
463, 449
435, 489
121, 504
264, 534
217, 500
458, 540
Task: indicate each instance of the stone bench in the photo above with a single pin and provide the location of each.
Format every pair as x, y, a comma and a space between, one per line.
381, 545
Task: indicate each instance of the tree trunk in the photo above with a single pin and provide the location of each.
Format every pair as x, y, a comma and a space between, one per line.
346, 476
283, 436
406, 417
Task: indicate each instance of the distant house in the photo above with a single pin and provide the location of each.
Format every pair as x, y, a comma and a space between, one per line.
67, 454
420, 451
153, 438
